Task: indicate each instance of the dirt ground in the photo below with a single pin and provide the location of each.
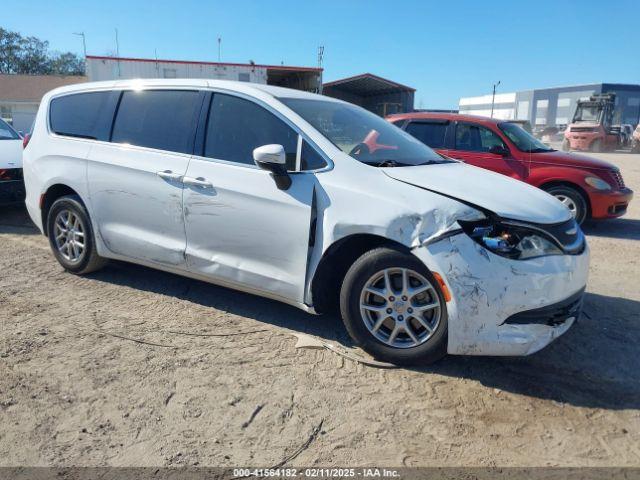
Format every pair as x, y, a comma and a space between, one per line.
220, 381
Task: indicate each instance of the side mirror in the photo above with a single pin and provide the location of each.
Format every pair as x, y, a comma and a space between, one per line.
272, 158
499, 150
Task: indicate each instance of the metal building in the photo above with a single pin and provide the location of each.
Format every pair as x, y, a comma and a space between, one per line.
376, 94
113, 68
554, 106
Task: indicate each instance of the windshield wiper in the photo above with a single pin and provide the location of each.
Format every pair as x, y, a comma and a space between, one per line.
385, 163
435, 162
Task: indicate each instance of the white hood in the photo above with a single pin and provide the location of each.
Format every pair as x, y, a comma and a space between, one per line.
10, 153
502, 195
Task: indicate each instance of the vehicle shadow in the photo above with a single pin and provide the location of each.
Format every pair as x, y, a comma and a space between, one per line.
625, 228
328, 327
15, 219
593, 365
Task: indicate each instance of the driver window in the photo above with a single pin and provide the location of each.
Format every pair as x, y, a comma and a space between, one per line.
237, 126
474, 138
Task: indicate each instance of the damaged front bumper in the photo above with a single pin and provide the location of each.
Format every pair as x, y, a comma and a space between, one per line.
501, 306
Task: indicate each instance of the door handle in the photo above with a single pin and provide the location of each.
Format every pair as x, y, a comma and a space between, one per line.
197, 182
169, 175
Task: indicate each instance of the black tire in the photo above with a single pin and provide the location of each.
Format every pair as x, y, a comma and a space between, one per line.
596, 146
368, 265
89, 260
635, 146
566, 145
576, 197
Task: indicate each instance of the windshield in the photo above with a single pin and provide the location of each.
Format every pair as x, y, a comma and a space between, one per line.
585, 113
6, 132
523, 140
362, 135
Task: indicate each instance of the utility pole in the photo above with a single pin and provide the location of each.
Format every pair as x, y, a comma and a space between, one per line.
84, 42
219, 49
118, 52
493, 99
320, 60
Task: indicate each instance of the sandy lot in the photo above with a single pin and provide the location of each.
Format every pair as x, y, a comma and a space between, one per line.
219, 381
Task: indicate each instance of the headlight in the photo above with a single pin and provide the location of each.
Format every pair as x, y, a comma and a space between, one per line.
514, 242
597, 183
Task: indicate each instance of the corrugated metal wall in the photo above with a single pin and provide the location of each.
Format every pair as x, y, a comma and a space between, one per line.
112, 69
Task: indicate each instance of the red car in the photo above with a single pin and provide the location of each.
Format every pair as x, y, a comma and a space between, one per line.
590, 188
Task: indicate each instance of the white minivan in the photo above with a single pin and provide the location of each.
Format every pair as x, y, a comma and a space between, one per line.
307, 200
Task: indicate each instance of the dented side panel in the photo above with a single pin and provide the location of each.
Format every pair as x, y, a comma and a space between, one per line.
244, 230
378, 206
137, 213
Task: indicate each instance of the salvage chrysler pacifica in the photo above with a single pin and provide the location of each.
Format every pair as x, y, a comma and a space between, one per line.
308, 200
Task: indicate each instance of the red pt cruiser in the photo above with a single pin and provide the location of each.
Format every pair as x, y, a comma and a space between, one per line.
590, 188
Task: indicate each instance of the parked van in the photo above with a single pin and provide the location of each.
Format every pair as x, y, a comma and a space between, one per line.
307, 200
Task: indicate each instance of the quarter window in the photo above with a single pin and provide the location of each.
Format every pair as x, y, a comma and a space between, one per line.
82, 115
475, 138
237, 126
161, 119
430, 133
310, 158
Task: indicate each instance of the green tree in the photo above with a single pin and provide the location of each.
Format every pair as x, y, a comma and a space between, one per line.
30, 55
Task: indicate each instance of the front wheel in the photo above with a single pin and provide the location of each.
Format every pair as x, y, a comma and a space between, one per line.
393, 307
572, 199
596, 146
635, 146
71, 236
566, 145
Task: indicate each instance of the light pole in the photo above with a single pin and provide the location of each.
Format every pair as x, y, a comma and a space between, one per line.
84, 42
493, 99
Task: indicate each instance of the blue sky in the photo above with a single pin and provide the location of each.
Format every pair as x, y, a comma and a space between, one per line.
443, 49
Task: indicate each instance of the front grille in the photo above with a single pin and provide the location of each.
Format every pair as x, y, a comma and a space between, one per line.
617, 177
583, 129
551, 315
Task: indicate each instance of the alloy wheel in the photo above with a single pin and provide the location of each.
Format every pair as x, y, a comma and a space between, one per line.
69, 235
400, 307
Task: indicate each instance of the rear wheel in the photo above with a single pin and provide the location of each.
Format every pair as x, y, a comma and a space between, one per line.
572, 199
393, 307
596, 146
71, 236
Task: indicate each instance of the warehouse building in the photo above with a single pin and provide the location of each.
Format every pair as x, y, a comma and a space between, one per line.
20, 96
115, 68
376, 94
554, 106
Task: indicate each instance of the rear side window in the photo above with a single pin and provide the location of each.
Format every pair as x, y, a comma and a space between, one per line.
161, 119
431, 134
474, 138
237, 126
81, 115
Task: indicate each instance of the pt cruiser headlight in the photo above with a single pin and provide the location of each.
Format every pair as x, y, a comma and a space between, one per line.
597, 183
511, 241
